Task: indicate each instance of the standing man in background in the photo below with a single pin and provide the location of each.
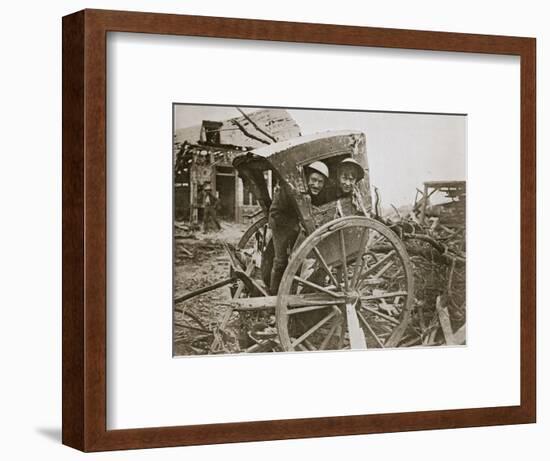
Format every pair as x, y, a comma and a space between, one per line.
210, 202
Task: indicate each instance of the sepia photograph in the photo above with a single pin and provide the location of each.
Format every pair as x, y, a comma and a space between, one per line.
299, 229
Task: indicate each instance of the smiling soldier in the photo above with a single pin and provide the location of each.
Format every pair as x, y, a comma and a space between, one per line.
349, 173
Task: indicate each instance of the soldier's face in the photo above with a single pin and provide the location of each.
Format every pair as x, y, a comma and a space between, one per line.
346, 180
315, 183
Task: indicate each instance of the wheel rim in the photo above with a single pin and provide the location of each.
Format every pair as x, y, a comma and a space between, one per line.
348, 286
253, 242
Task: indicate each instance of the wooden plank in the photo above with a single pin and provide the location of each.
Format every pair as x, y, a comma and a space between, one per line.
356, 336
294, 301
445, 322
460, 335
200, 291
253, 286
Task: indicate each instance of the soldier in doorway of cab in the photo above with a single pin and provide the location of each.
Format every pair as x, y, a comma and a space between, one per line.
348, 174
284, 221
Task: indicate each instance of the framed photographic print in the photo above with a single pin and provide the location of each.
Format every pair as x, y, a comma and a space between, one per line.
318, 229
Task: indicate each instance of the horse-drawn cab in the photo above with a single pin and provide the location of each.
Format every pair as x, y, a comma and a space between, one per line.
348, 283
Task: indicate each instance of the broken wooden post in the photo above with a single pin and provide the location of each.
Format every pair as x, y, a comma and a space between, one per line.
445, 322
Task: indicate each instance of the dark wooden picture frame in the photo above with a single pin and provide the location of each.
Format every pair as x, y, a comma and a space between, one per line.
85, 224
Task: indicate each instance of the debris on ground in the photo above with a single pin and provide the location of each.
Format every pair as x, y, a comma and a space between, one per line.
435, 238
434, 235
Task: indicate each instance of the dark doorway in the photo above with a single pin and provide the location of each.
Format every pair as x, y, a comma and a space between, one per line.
182, 210
225, 186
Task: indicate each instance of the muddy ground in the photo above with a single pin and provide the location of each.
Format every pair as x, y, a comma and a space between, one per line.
200, 261
206, 265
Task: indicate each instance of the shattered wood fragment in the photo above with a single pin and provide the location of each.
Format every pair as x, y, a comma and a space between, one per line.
460, 335
186, 251
294, 301
192, 294
445, 322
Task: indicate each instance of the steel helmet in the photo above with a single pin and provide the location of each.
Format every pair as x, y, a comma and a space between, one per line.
353, 164
319, 167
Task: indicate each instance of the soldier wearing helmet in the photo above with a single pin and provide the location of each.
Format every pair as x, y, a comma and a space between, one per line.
317, 176
210, 202
349, 173
284, 221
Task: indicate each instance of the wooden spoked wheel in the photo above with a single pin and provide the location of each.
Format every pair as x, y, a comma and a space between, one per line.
256, 255
348, 286
253, 249
255, 235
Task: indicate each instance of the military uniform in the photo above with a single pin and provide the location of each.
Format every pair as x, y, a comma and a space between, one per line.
210, 214
284, 224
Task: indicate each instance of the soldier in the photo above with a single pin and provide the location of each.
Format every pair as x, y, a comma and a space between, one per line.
284, 222
349, 173
210, 202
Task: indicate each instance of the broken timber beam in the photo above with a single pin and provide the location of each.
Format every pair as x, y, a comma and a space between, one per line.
445, 322
200, 291
303, 302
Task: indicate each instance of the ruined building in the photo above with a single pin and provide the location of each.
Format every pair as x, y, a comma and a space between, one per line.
203, 156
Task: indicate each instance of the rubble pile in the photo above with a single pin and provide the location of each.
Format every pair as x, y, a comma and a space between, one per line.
435, 238
440, 288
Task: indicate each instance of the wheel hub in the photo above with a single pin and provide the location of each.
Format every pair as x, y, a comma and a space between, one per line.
352, 296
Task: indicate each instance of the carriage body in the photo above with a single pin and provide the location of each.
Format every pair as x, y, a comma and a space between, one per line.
287, 161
